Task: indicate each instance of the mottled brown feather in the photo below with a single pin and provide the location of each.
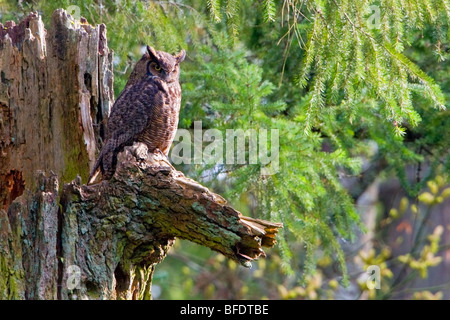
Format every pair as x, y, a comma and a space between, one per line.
147, 111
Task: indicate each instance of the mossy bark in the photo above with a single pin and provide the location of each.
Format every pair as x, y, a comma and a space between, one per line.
60, 239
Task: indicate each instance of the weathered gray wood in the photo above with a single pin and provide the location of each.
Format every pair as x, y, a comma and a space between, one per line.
55, 86
28, 243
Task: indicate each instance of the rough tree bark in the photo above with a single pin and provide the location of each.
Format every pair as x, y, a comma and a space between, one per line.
60, 239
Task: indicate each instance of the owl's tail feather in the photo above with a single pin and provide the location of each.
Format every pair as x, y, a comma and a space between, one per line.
93, 176
95, 170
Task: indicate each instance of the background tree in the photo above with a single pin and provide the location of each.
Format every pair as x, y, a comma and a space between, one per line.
358, 90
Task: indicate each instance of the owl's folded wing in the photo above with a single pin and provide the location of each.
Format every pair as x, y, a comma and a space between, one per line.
130, 116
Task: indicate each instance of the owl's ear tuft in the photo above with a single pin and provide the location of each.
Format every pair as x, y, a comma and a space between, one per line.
152, 53
180, 56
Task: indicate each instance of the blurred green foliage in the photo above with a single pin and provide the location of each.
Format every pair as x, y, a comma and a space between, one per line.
332, 77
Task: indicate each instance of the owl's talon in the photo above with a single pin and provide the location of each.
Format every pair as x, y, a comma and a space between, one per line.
165, 159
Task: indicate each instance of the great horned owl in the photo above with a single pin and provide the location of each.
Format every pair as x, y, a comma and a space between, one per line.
146, 111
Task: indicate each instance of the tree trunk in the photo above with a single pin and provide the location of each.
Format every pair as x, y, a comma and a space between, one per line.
60, 239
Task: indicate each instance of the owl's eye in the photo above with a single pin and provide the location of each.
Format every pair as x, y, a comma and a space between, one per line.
157, 67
